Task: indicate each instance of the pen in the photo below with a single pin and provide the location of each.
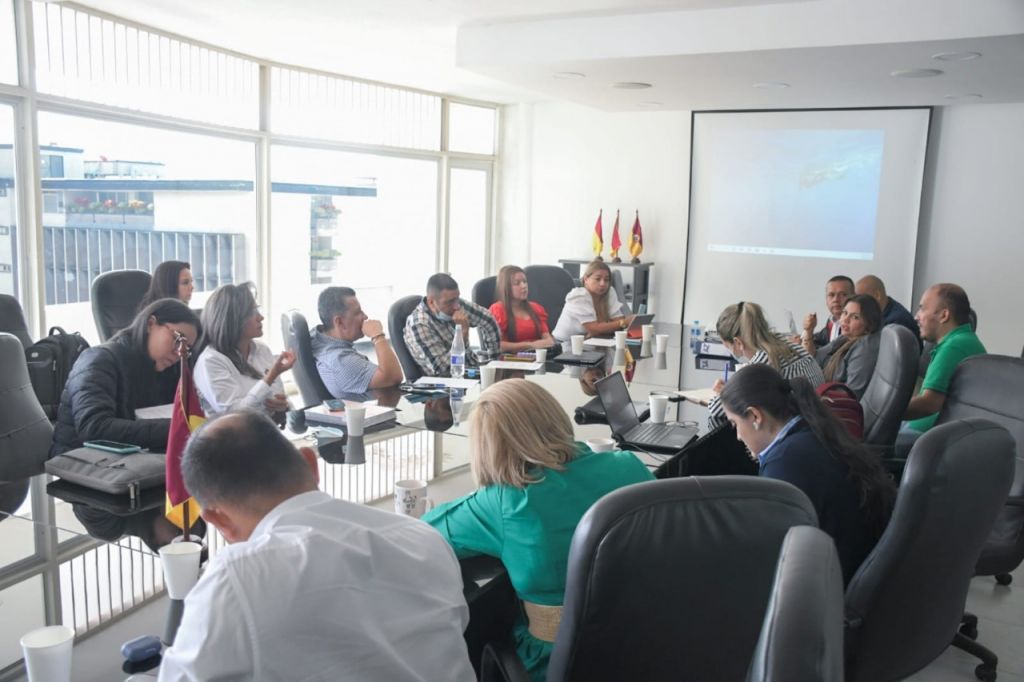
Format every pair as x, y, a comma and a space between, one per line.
725, 373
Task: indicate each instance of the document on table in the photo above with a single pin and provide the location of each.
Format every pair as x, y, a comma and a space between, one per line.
599, 343
515, 364
446, 381
701, 396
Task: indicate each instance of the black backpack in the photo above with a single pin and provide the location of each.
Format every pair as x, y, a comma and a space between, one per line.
49, 363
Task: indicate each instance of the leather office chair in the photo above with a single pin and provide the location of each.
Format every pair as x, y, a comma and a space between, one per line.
549, 285
620, 290
915, 581
886, 397
115, 299
295, 333
12, 319
25, 431
668, 580
397, 314
484, 291
802, 636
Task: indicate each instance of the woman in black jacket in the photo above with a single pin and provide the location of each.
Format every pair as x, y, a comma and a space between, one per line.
138, 367
797, 439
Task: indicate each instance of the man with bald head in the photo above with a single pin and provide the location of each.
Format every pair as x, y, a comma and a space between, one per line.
893, 311
311, 587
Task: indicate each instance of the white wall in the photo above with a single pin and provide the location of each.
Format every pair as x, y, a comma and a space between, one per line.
972, 218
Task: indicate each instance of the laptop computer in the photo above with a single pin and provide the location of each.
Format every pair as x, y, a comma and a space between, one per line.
626, 426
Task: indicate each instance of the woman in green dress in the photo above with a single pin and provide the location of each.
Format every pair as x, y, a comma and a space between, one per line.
535, 483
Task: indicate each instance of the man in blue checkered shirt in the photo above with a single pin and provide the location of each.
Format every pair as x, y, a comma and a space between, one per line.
430, 328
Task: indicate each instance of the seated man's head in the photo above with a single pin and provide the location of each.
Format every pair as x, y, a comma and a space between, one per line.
943, 308
443, 295
239, 466
340, 313
872, 286
837, 290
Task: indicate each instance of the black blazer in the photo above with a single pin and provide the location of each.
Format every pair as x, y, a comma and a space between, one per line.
801, 459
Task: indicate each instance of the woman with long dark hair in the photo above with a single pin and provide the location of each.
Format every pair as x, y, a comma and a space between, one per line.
234, 370
593, 309
851, 358
523, 323
171, 279
798, 440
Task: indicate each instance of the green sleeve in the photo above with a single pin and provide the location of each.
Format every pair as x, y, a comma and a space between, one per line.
472, 524
940, 369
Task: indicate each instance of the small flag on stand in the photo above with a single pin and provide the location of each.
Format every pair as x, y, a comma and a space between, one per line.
636, 239
616, 242
187, 416
597, 240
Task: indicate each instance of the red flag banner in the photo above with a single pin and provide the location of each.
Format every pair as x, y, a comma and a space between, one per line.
636, 238
616, 241
186, 417
597, 240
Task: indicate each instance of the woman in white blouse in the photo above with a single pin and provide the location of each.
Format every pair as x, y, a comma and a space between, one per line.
592, 309
235, 371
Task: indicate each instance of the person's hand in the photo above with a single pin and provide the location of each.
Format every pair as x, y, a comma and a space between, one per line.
277, 403
461, 318
718, 386
627, 321
811, 322
284, 362
372, 328
540, 343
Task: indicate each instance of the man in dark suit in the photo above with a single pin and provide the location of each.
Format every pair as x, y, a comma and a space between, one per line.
892, 311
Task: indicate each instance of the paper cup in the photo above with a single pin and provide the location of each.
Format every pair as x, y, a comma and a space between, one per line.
577, 343
601, 444
659, 406
660, 343
411, 498
647, 332
180, 561
48, 653
542, 354
355, 414
487, 376
620, 340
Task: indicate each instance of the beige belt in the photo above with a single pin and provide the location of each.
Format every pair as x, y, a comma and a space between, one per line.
543, 620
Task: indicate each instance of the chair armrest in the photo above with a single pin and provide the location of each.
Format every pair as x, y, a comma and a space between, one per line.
1015, 502
499, 663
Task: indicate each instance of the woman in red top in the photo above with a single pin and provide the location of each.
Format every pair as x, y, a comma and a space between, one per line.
523, 323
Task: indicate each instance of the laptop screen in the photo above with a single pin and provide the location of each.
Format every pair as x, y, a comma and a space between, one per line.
618, 407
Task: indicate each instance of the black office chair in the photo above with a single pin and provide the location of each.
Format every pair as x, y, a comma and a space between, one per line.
549, 285
295, 332
25, 431
886, 397
802, 636
397, 315
12, 319
669, 580
484, 291
904, 604
115, 299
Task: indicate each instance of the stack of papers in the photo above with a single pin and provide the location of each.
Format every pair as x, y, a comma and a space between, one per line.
448, 382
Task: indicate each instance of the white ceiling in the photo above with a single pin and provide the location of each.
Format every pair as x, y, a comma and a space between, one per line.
697, 54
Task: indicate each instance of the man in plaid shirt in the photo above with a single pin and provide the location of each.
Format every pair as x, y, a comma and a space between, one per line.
430, 328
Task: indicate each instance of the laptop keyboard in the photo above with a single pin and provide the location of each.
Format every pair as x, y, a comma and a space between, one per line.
651, 433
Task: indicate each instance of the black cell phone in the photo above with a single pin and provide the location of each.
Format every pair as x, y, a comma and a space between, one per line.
112, 446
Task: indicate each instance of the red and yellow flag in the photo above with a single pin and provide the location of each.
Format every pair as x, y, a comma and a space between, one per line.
616, 242
636, 238
597, 241
186, 417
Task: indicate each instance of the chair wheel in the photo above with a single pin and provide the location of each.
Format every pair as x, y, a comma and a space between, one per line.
985, 673
969, 631
1004, 578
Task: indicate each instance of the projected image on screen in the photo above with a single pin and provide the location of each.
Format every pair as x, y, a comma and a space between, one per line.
811, 193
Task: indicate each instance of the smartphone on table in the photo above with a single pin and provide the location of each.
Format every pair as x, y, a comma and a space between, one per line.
334, 405
112, 446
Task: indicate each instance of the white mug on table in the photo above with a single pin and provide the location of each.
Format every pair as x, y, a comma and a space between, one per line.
411, 498
659, 406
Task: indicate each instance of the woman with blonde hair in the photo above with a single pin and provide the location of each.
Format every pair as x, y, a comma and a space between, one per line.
593, 309
523, 323
747, 335
535, 483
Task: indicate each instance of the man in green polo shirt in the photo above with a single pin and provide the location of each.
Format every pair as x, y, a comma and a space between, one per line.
944, 316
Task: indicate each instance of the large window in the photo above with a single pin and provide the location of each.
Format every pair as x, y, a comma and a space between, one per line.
471, 128
8, 206
131, 197
359, 220
8, 46
468, 208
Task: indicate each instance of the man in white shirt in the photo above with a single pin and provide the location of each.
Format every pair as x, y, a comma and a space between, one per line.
311, 587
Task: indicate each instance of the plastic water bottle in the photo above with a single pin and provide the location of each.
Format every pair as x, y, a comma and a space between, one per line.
695, 337
458, 354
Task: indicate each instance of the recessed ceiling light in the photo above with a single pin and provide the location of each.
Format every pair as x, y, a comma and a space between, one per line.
956, 56
771, 85
631, 85
569, 75
916, 73
965, 97
649, 105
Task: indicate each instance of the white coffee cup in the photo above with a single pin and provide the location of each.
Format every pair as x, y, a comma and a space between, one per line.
411, 498
180, 561
487, 376
620, 340
659, 406
542, 354
660, 343
647, 332
577, 343
601, 444
355, 415
48, 653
